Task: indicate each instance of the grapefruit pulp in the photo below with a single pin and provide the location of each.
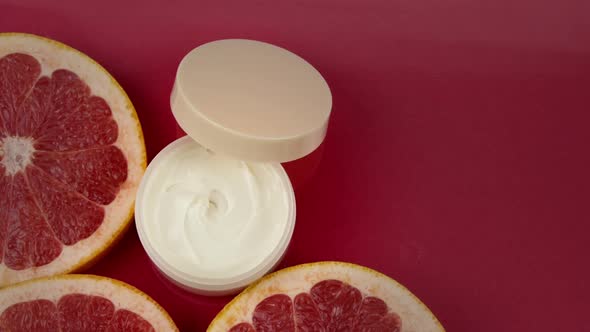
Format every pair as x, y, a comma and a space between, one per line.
71, 158
326, 296
79, 303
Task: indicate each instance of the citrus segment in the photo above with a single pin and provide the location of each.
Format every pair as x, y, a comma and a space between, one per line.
79, 303
30, 316
71, 216
71, 157
95, 173
29, 241
325, 296
18, 73
74, 119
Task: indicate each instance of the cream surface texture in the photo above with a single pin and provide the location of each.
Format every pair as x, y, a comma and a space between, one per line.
215, 217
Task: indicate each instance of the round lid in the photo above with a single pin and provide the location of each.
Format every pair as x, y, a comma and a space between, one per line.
251, 100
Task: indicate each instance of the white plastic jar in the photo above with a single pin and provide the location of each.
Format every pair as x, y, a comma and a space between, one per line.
219, 226
215, 210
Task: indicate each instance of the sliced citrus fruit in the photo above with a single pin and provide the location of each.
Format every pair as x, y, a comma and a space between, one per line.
71, 158
78, 302
326, 296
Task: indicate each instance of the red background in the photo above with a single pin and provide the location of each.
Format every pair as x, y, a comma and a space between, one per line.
456, 161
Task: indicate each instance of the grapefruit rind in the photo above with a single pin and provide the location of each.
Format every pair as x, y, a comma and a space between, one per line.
54, 55
123, 296
415, 316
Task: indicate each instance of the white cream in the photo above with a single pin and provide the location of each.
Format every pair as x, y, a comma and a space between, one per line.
211, 217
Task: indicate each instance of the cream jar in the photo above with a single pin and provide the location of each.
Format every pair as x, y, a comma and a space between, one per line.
215, 210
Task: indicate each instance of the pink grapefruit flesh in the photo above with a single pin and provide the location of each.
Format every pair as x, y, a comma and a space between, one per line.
326, 296
71, 157
80, 303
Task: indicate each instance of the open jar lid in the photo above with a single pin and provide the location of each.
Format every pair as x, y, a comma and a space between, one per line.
251, 100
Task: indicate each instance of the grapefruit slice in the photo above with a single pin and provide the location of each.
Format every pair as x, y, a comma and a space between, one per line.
71, 158
326, 296
79, 303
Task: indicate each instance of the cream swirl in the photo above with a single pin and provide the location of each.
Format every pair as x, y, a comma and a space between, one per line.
213, 216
